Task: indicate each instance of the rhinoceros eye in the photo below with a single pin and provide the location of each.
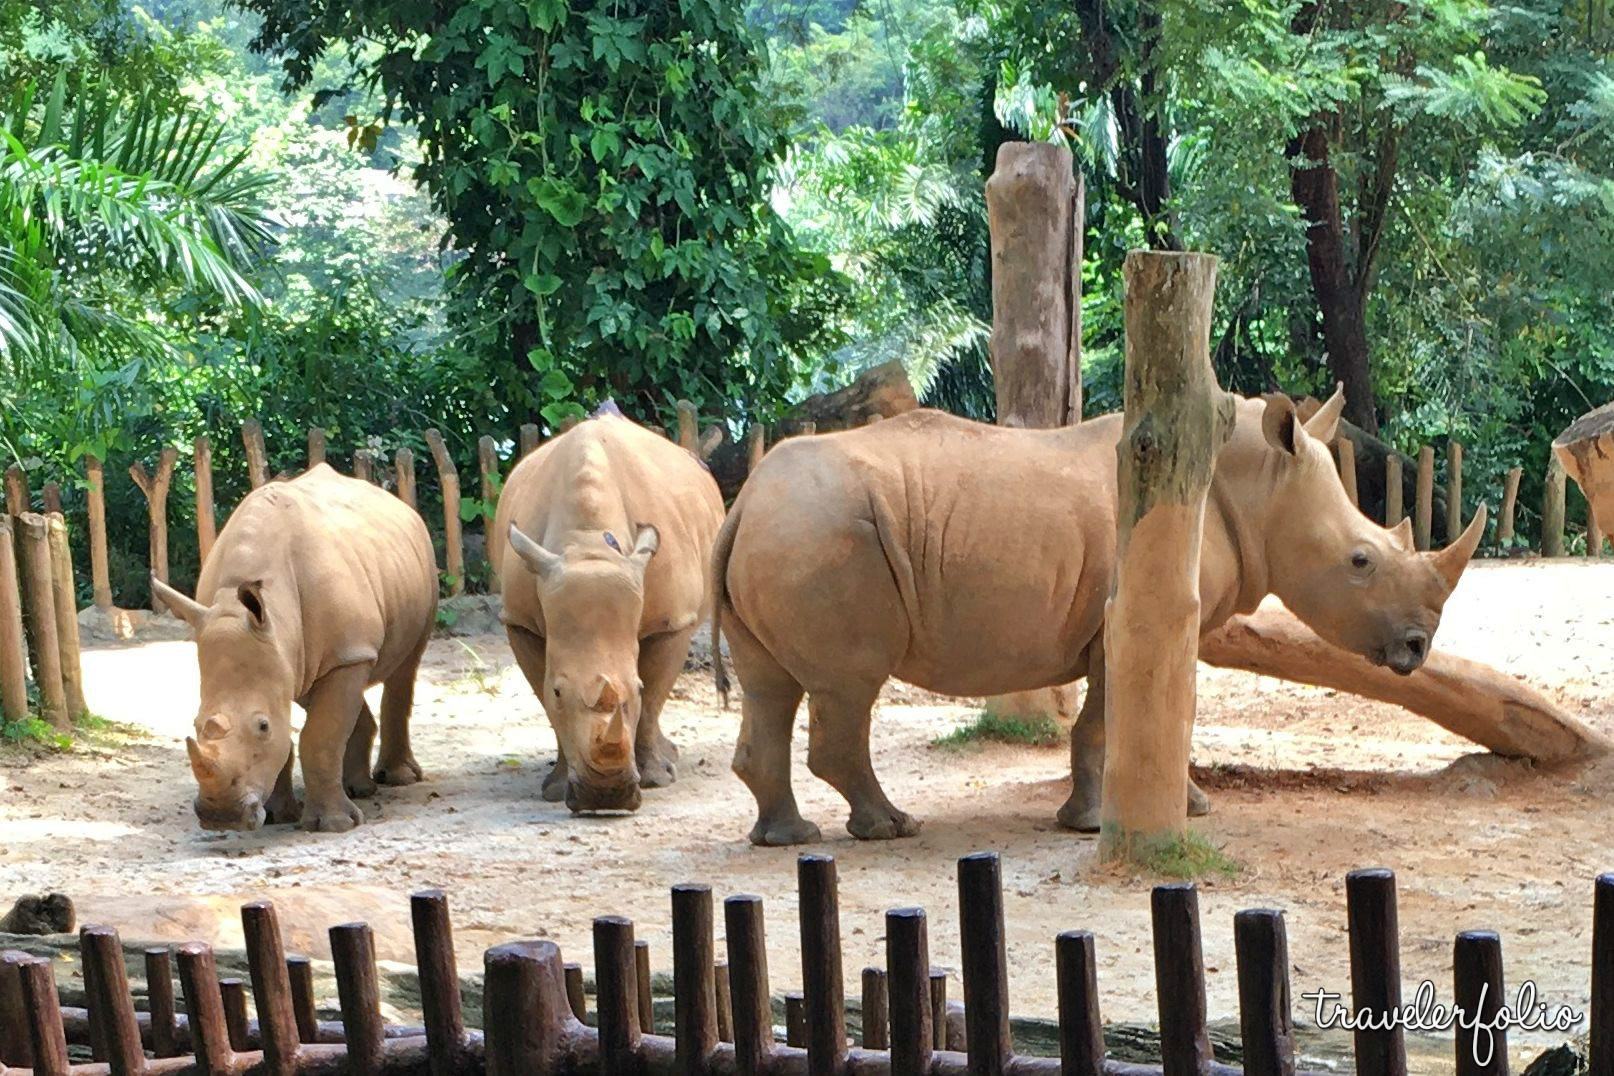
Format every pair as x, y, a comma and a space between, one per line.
610, 540
1360, 561
263, 725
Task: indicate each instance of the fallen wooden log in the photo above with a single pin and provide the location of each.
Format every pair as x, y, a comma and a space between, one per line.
1474, 700
1586, 450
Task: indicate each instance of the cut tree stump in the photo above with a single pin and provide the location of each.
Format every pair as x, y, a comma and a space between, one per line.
95, 498
13, 656
257, 453
1423, 512
1034, 211
1177, 419
1469, 698
448, 478
1510, 504
1552, 509
156, 491
18, 497
66, 602
316, 447
39, 616
206, 521
1347, 468
1586, 451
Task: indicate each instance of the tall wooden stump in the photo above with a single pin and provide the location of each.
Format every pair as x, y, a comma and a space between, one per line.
1454, 490
66, 602
1177, 419
1393, 511
18, 497
404, 470
13, 660
257, 453
206, 521
95, 497
453, 546
316, 447
1586, 451
487, 458
156, 491
1552, 510
1510, 504
39, 616
1035, 209
1347, 468
1423, 513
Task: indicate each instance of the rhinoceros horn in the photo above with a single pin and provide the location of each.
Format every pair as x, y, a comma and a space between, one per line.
201, 764
1454, 558
606, 700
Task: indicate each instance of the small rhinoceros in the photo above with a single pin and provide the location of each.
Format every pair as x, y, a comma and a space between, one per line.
602, 542
316, 589
976, 560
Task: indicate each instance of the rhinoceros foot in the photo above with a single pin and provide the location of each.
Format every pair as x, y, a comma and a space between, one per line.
882, 825
403, 772
657, 765
1081, 817
282, 810
337, 817
554, 789
1198, 802
788, 831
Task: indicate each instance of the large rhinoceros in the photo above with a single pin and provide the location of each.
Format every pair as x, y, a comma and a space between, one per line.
602, 543
976, 560
316, 589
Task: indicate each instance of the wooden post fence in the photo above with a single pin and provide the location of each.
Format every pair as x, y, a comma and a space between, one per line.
39, 616
206, 521
1510, 504
155, 489
95, 498
529, 439
1552, 510
13, 659
1177, 419
362, 464
257, 453
487, 456
66, 603
404, 463
756, 447
1347, 469
1394, 494
316, 447
1454, 490
688, 437
51, 498
569, 423
18, 497
1423, 512
453, 546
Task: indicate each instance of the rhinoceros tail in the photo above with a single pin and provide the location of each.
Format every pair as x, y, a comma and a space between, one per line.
721, 549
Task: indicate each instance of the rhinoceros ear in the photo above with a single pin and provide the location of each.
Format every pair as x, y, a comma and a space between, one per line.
646, 540
1324, 425
188, 610
1401, 534
250, 595
1279, 424
544, 564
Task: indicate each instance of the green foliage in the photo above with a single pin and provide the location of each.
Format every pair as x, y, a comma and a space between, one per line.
996, 728
603, 167
34, 731
1188, 857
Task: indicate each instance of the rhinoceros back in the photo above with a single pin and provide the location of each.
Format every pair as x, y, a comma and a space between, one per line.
354, 562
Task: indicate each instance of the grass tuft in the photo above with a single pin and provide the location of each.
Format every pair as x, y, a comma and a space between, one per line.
1188, 857
995, 728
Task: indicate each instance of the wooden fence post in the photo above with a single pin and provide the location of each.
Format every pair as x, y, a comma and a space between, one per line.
51, 498
156, 491
100, 574
1510, 503
1454, 490
569, 423
1347, 469
206, 522
39, 616
13, 660
688, 438
405, 465
1394, 511
257, 454
529, 439
1177, 419
1423, 512
66, 601
362, 464
1552, 510
316, 447
18, 497
449, 478
756, 446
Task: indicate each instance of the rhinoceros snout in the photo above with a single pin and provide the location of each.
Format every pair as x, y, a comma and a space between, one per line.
1408, 655
248, 814
588, 797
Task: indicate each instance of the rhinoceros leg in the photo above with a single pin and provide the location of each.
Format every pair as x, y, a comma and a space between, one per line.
529, 651
396, 765
661, 659
762, 753
283, 805
838, 752
356, 779
334, 706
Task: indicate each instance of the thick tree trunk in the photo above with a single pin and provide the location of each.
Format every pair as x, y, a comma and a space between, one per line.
1477, 702
1342, 302
1177, 419
1586, 450
1034, 206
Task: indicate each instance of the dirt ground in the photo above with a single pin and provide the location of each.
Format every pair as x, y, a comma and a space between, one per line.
1306, 785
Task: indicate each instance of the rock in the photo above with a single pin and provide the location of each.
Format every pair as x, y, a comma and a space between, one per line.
470, 614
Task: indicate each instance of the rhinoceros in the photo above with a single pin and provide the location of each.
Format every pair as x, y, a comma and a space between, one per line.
975, 560
602, 542
316, 589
